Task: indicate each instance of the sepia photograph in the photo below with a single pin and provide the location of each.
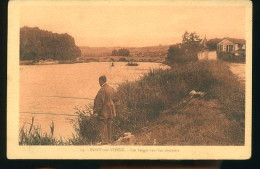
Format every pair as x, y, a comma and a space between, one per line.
129, 79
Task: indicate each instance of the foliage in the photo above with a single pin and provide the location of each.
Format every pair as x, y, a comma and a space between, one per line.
36, 44
175, 54
34, 136
86, 127
230, 57
114, 52
212, 44
191, 44
187, 50
121, 52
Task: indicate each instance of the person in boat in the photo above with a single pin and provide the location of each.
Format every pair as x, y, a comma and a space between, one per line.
104, 109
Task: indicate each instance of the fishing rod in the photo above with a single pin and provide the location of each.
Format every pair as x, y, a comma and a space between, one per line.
68, 97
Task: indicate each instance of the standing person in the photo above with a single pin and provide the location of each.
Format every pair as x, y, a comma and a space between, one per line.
104, 109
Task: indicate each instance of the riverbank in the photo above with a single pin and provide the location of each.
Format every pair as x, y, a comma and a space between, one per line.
164, 115
47, 62
94, 59
157, 109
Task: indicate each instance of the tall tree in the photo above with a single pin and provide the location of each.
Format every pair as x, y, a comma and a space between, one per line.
187, 50
191, 44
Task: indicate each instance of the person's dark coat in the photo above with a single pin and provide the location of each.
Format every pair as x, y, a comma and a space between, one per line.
103, 104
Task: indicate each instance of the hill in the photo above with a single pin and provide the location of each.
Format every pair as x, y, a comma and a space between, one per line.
148, 53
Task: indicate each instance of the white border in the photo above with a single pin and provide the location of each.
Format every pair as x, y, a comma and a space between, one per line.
14, 151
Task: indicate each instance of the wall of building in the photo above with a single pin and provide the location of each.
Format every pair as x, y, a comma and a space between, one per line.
225, 42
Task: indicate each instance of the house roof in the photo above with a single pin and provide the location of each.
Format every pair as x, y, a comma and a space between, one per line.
234, 40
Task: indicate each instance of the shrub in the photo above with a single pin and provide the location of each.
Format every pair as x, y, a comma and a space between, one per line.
86, 127
230, 57
186, 51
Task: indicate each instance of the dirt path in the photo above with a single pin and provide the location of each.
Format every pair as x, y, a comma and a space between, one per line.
239, 70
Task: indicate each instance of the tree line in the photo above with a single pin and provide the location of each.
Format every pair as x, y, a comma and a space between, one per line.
189, 48
121, 52
37, 44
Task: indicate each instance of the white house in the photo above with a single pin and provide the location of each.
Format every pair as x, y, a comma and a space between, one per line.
232, 45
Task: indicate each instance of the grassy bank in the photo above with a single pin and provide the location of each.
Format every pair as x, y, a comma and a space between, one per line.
154, 101
157, 108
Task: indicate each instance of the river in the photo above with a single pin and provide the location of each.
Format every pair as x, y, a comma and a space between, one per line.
51, 92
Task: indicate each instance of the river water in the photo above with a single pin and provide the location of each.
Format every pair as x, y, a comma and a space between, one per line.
51, 92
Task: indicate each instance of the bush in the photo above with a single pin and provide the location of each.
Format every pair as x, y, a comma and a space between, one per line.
86, 127
230, 57
175, 54
186, 51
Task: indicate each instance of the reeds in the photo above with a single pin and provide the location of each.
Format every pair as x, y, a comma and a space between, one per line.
35, 136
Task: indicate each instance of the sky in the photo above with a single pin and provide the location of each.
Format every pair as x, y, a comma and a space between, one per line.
111, 26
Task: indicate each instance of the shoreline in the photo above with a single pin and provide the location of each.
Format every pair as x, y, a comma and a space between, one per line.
75, 62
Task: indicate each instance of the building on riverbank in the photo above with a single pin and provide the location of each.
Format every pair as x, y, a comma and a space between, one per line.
233, 46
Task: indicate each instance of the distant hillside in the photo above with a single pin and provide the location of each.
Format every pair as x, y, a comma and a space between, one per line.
36, 44
149, 51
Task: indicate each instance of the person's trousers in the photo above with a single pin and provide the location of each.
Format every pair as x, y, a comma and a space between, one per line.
106, 130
